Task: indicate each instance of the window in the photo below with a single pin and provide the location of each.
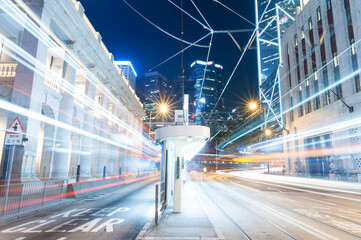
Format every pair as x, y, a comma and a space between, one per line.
327, 98
308, 104
302, 33
339, 91
291, 112
296, 43
329, 5
335, 60
358, 83
310, 23
316, 90
319, 14
300, 108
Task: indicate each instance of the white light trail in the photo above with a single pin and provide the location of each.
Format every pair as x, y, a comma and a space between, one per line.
69, 57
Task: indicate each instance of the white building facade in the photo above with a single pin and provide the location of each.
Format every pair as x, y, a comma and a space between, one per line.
77, 110
320, 85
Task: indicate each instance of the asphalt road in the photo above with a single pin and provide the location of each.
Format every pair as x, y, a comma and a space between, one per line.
119, 214
257, 209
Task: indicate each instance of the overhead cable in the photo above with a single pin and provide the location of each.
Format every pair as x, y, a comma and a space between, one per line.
204, 26
159, 28
200, 13
234, 70
193, 44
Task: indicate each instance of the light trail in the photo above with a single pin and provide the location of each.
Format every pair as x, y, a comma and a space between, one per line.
36, 31
73, 193
27, 113
68, 57
350, 76
43, 74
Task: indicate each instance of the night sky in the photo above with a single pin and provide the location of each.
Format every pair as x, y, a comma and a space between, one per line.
129, 37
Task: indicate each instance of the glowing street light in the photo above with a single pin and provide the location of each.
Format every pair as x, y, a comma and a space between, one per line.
252, 106
268, 132
163, 108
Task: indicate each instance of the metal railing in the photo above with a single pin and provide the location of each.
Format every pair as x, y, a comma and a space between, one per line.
18, 197
160, 203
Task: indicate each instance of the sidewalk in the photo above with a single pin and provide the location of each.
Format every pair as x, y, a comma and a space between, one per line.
191, 223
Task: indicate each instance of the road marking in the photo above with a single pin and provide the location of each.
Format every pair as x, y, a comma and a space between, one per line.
32, 230
20, 238
122, 209
67, 213
70, 222
85, 211
323, 202
87, 226
62, 238
21, 226
108, 225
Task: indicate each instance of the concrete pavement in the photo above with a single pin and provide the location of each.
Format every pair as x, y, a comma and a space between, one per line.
192, 223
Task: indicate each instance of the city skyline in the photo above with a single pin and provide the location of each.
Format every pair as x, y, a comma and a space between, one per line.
148, 46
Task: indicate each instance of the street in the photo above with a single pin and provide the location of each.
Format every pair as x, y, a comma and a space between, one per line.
119, 214
256, 209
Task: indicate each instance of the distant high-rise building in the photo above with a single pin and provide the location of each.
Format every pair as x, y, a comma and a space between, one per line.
175, 92
151, 88
128, 71
207, 92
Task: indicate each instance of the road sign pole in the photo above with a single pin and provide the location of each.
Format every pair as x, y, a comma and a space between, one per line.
8, 174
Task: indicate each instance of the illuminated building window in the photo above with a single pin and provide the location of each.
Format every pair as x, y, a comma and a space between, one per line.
358, 83
319, 14
300, 108
336, 61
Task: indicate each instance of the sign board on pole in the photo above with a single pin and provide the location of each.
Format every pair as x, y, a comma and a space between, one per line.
14, 133
15, 127
13, 139
178, 116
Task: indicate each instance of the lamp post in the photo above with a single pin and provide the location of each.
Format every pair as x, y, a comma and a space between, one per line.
267, 133
162, 109
252, 105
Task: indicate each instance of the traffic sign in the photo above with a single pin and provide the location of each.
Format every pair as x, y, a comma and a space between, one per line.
15, 126
13, 139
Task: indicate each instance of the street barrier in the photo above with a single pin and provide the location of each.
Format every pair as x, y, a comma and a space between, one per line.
17, 197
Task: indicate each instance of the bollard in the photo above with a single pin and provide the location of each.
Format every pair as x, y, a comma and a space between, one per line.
120, 172
104, 172
78, 173
156, 203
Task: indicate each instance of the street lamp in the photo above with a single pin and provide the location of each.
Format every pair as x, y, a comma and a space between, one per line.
268, 132
252, 105
163, 108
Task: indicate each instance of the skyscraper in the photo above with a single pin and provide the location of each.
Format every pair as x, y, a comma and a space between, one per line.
128, 71
208, 87
151, 88
272, 18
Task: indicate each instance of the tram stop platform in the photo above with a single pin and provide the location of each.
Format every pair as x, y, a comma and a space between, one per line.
191, 223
